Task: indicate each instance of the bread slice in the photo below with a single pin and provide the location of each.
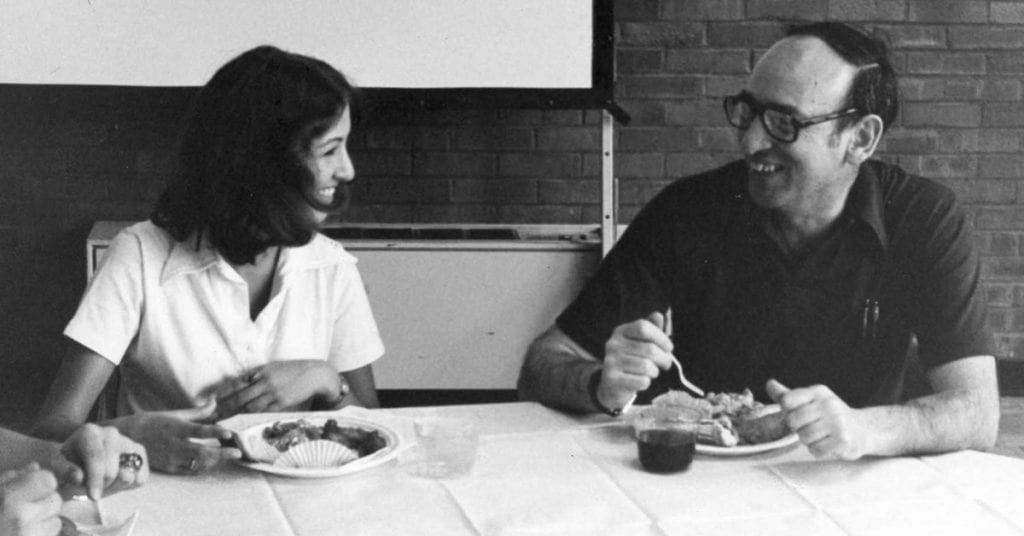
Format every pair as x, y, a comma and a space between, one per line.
761, 427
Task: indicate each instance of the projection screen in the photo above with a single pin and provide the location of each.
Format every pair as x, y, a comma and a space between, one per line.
537, 50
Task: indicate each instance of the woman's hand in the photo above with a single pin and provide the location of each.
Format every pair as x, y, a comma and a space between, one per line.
29, 502
102, 460
277, 386
174, 439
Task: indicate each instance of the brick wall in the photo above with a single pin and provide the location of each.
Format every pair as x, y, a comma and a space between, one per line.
70, 156
962, 120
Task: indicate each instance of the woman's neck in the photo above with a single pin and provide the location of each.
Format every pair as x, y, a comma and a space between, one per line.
259, 276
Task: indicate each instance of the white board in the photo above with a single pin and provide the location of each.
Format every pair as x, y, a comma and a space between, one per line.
464, 318
545, 44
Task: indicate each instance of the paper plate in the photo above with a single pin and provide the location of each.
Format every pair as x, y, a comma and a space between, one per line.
747, 450
123, 527
716, 450
253, 445
316, 454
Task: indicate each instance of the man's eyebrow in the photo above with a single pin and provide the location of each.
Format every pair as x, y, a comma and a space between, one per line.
784, 108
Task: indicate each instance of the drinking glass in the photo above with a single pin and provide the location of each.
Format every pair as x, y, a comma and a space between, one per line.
447, 446
666, 438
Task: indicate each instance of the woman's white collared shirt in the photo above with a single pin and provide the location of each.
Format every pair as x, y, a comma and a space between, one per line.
176, 318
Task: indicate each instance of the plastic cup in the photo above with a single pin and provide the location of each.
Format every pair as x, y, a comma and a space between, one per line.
666, 438
447, 446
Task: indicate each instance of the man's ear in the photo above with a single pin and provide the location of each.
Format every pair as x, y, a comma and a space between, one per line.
867, 132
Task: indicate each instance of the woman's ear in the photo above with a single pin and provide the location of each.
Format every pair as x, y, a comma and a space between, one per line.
867, 132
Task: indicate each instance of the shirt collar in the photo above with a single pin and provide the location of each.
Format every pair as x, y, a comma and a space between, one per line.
320, 252
865, 203
185, 258
191, 255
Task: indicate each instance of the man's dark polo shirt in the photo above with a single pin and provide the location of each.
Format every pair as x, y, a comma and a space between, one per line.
744, 311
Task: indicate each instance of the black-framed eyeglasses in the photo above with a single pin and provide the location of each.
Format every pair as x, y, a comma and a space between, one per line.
741, 109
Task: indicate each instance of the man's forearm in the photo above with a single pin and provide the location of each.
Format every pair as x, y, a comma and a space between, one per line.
557, 378
942, 422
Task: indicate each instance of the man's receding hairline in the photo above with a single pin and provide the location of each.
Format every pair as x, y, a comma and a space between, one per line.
838, 54
856, 68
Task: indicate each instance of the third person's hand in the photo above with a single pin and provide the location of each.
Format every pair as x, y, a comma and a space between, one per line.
101, 460
29, 502
179, 441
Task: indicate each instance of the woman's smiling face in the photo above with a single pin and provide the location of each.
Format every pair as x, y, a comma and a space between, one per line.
329, 162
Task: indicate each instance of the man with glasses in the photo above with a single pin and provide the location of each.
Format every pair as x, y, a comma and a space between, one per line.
803, 271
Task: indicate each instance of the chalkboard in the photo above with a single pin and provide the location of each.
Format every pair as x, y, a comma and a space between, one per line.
547, 53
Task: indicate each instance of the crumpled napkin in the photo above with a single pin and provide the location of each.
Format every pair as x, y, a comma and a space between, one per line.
87, 518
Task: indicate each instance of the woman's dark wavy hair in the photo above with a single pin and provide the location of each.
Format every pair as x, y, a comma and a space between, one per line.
874, 90
240, 176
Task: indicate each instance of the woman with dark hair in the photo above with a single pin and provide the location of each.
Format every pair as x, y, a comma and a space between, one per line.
228, 300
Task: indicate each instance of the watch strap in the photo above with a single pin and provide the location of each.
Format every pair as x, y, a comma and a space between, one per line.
595, 381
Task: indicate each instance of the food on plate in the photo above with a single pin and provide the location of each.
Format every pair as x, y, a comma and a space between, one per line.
718, 431
682, 399
730, 419
755, 428
284, 435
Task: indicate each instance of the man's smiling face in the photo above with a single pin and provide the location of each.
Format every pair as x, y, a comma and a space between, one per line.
807, 78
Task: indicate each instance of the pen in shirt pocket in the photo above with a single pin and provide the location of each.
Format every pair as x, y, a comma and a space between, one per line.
869, 319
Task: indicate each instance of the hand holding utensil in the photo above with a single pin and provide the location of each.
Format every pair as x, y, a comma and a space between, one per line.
636, 353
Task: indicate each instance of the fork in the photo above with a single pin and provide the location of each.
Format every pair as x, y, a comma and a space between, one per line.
679, 366
667, 329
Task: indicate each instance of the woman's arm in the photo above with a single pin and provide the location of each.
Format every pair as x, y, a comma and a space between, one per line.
81, 378
362, 386
287, 385
167, 435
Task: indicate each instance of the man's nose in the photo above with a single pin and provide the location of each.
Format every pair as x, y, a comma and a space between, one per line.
755, 137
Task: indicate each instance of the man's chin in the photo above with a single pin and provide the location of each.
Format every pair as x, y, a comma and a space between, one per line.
762, 195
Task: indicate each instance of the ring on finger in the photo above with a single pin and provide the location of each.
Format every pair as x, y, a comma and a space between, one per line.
130, 460
254, 376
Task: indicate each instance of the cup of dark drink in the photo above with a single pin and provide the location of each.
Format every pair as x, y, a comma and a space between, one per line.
666, 438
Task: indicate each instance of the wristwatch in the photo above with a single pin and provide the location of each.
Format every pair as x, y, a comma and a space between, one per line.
595, 380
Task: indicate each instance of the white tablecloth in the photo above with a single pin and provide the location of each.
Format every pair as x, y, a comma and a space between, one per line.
542, 472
